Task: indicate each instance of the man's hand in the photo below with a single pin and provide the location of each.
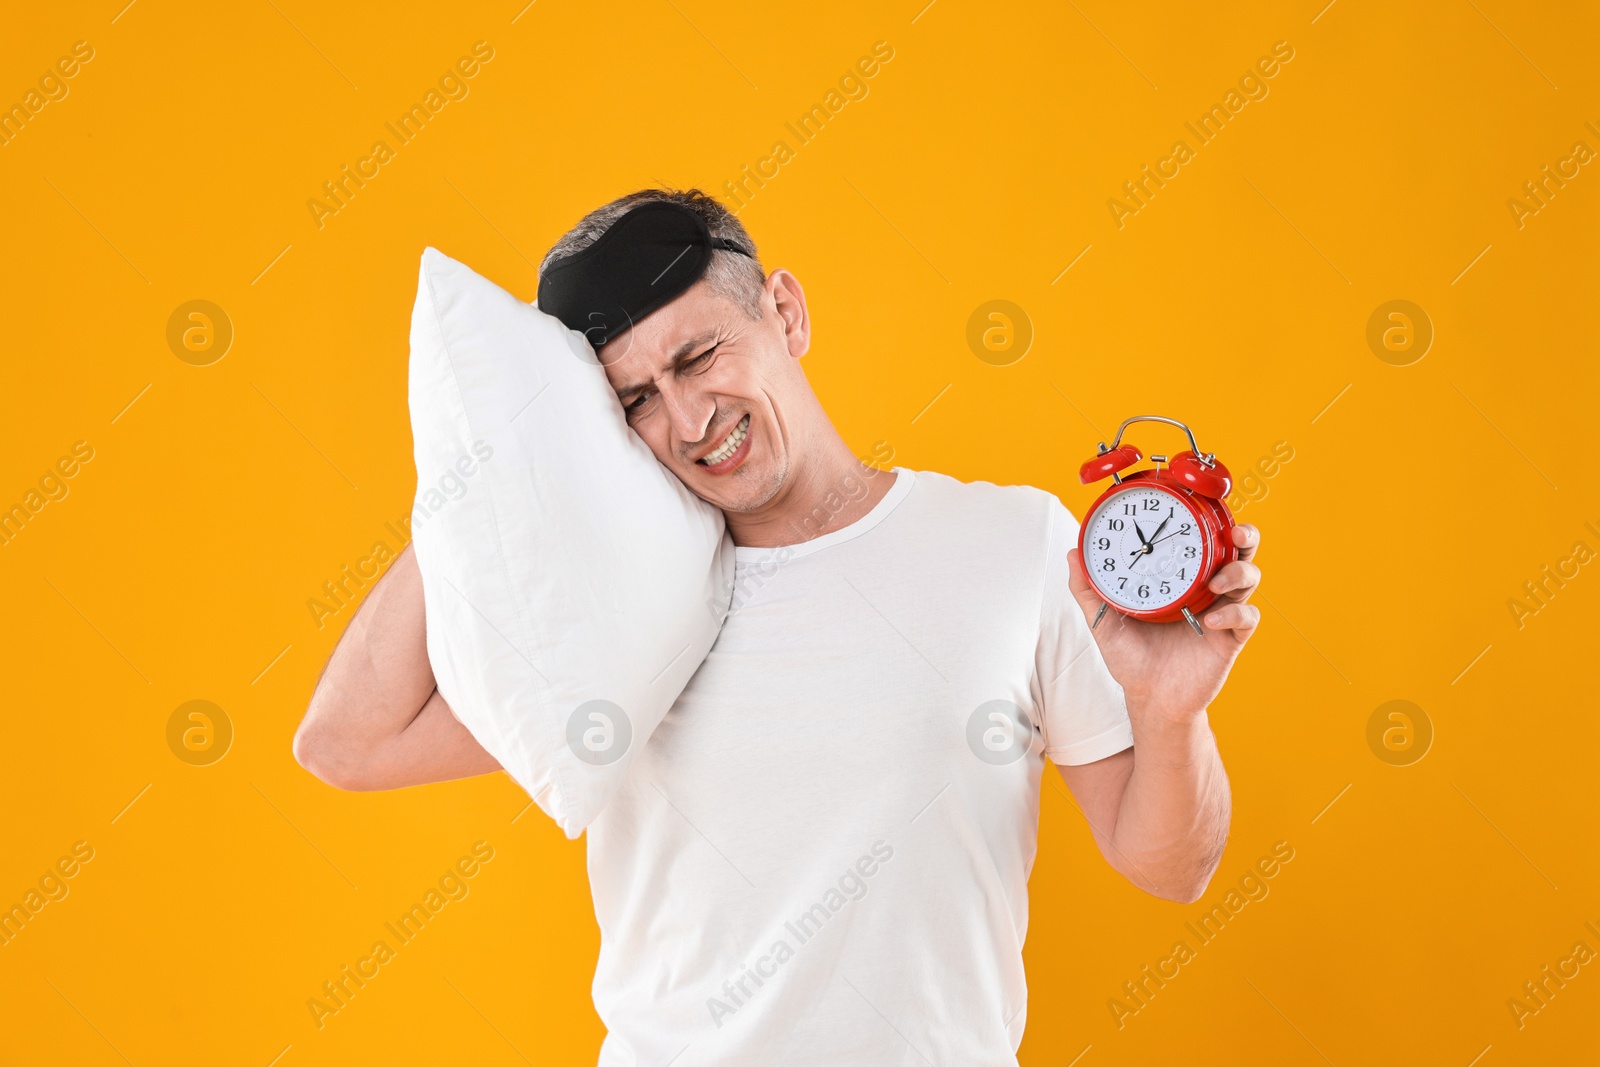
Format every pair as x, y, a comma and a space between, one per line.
1166, 668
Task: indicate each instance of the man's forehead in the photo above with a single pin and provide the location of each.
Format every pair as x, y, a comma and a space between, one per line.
633, 357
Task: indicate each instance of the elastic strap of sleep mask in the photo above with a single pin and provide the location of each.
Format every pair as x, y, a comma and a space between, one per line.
649, 256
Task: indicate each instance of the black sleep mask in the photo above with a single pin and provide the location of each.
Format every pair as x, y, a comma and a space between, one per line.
649, 256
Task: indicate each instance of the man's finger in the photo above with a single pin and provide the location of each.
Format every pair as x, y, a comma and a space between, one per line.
1240, 620
1247, 539
1236, 581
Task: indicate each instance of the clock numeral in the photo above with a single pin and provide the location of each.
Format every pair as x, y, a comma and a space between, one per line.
1183, 574
1189, 552
1152, 504
1110, 564
1144, 591
1104, 543
1128, 509
1165, 588
1114, 524
1183, 529
1122, 583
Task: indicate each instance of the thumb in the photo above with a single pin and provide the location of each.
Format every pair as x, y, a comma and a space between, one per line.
1078, 582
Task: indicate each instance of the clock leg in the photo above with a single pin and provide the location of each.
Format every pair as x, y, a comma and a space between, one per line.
1099, 615
1193, 622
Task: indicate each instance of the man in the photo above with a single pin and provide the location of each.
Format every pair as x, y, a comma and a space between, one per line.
821, 854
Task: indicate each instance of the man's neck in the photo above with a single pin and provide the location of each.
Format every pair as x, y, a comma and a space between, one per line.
824, 493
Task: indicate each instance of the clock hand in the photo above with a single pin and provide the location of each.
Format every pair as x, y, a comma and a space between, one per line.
1154, 540
1146, 543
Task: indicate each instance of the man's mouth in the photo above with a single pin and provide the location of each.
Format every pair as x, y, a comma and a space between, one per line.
729, 446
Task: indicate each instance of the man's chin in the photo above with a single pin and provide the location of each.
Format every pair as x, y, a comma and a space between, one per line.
746, 488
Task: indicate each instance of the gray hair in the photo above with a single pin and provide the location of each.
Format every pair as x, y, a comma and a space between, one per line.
740, 279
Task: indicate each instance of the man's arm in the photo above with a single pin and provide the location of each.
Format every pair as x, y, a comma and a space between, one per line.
376, 719
1160, 810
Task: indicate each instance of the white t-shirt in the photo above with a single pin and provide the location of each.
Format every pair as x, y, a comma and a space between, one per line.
821, 856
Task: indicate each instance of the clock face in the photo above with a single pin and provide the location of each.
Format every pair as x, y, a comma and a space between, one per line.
1143, 548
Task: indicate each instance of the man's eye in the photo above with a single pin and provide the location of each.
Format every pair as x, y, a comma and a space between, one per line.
702, 357
634, 407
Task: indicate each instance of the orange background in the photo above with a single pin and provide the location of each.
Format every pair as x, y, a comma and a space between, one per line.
978, 167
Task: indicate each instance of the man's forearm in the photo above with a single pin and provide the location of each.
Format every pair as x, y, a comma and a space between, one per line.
376, 720
1172, 822
433, 747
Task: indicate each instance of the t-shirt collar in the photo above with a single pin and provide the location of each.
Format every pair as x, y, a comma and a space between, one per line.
904, 479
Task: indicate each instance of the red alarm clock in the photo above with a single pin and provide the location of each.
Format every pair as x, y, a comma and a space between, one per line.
1155, 538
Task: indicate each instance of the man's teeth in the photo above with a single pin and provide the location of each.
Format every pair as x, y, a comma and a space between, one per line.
730, 444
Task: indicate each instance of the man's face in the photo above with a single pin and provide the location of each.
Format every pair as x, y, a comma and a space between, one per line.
718, 396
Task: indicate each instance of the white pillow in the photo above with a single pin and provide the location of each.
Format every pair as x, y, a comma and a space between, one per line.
572, 583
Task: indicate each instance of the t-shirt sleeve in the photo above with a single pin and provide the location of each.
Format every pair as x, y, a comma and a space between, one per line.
1084, 712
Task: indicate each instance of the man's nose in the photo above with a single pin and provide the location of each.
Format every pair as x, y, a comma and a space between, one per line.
689, 412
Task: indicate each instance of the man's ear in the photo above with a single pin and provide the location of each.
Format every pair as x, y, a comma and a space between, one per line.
790, 300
